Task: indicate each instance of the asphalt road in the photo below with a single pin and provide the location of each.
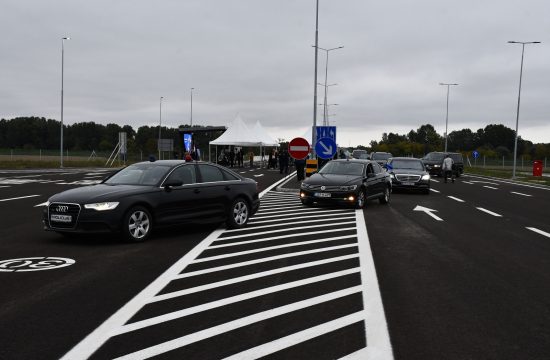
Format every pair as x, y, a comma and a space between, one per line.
461, 283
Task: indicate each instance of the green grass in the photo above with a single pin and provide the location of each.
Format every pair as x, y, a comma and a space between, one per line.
507, 174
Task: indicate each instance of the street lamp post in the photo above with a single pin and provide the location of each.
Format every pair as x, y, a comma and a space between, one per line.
314, 128
519, 98
325, 110
160, 122
62, 70
327, 122
192, 106
447, 116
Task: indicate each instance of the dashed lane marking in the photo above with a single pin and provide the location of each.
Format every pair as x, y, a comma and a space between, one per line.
434, 180
544, 233
19, 197
489, 212
518, 193
490, 187
434, 190
468, 182
4, 186
455, 198
43, 204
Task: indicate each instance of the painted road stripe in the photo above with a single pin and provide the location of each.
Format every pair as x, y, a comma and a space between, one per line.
489, 212
281, 237
43, 204
490, 187
484, 182
268, 248
258, 175
236, 324
312, 216
311, 211
262, 260
513, 183
376, 326
468, 182
4, 186
298, 210
266, 208
455, 198
297, 338
538, 231
434, 180
20, 197
279, 230
434, 190
518, 193
336, 222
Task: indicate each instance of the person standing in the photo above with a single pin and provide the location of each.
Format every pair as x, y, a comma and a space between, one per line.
270, 160
251, 157
447, 168
231, 157
300, 168
283, 162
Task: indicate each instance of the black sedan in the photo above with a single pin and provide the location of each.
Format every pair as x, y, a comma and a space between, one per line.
408, 173
350, 182
145, 195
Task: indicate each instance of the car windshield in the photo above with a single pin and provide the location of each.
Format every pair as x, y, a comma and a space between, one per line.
139, 174
456, 157
343, 168
381, 156
407, 164
436, 156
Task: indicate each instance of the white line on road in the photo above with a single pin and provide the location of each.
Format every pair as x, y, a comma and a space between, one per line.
307, 217
279, 230
236, 324
258, 175
538, 231
484, 182
20, 197
43, 204
285, 236
427, 211
468, 182
490, 187
488, 212
350, 216
434, 180
455, 198
434, 190
4, 186
518, 193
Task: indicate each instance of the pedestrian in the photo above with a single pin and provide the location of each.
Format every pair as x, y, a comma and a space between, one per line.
300, 167
241, 158
231, 157
447, 167
270, 160
283, 162
251, 157
276, 159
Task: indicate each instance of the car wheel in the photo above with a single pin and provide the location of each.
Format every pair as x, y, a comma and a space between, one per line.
361, 199
384, 199
238, 214
138, 224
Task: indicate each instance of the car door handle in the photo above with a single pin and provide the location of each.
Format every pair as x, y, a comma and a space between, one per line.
196, 191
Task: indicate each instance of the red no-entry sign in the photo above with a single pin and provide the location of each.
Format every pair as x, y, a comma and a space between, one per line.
298, 148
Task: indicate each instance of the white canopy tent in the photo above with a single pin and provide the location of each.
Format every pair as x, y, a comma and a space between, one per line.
238, 134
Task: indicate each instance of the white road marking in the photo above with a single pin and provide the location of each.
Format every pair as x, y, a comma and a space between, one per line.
468, 182
455, 198
434, 180
309, 216
376, 326
518, 193
513, 183
20, 197
43, 204
351, 216
236, 324
291, 214
299, 210
254, 251
297, 338
434, 190
265, 208
4, 186
488, 212
279, 230
539, 231
283, 237
258, 175
484, 182
490, 187
272, 186
427, 211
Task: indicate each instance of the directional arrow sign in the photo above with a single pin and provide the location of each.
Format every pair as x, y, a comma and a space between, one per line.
325, 148
427, 211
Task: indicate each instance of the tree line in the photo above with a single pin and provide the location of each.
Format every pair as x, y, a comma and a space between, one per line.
493, 141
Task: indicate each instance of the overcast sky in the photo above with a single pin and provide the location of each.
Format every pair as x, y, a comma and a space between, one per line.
254, 58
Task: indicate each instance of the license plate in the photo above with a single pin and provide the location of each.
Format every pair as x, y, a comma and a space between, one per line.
61, 218
408, 184
323, 195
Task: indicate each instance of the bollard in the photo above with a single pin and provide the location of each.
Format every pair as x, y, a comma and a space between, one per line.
311, 167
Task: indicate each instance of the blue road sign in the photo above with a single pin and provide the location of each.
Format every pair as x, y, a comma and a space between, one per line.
326, 132
325, 148
475, 154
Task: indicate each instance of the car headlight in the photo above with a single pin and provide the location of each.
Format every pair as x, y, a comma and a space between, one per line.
426, 177
102, 206
348, 187
437, 165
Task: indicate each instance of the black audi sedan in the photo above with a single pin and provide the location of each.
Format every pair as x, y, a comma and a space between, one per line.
350, 182
408, 173
142, 196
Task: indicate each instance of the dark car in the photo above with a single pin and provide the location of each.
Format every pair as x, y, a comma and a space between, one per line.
360, 154
145, 195
408, 173
434, 160
380, 157
350, 182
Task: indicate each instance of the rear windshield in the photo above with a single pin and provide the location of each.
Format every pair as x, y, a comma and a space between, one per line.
407, 164
456, 157
381, 156
435, 156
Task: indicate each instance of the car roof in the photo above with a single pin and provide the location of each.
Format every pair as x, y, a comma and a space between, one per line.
361, 161
172, 162
405, 158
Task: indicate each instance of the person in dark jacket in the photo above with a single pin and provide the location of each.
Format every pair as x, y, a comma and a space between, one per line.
283, 162
300, 168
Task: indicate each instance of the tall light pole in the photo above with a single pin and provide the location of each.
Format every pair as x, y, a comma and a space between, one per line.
447, 116
62, 70
326, 77
519, 97
327, 122
160, 122
314, 128
325, 110
192, 106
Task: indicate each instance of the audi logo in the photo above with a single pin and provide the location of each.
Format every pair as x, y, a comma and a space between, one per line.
62, 208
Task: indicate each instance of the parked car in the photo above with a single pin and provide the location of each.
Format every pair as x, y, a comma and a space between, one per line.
409, 174
140, 197
380, 157
434, 160
347, 182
